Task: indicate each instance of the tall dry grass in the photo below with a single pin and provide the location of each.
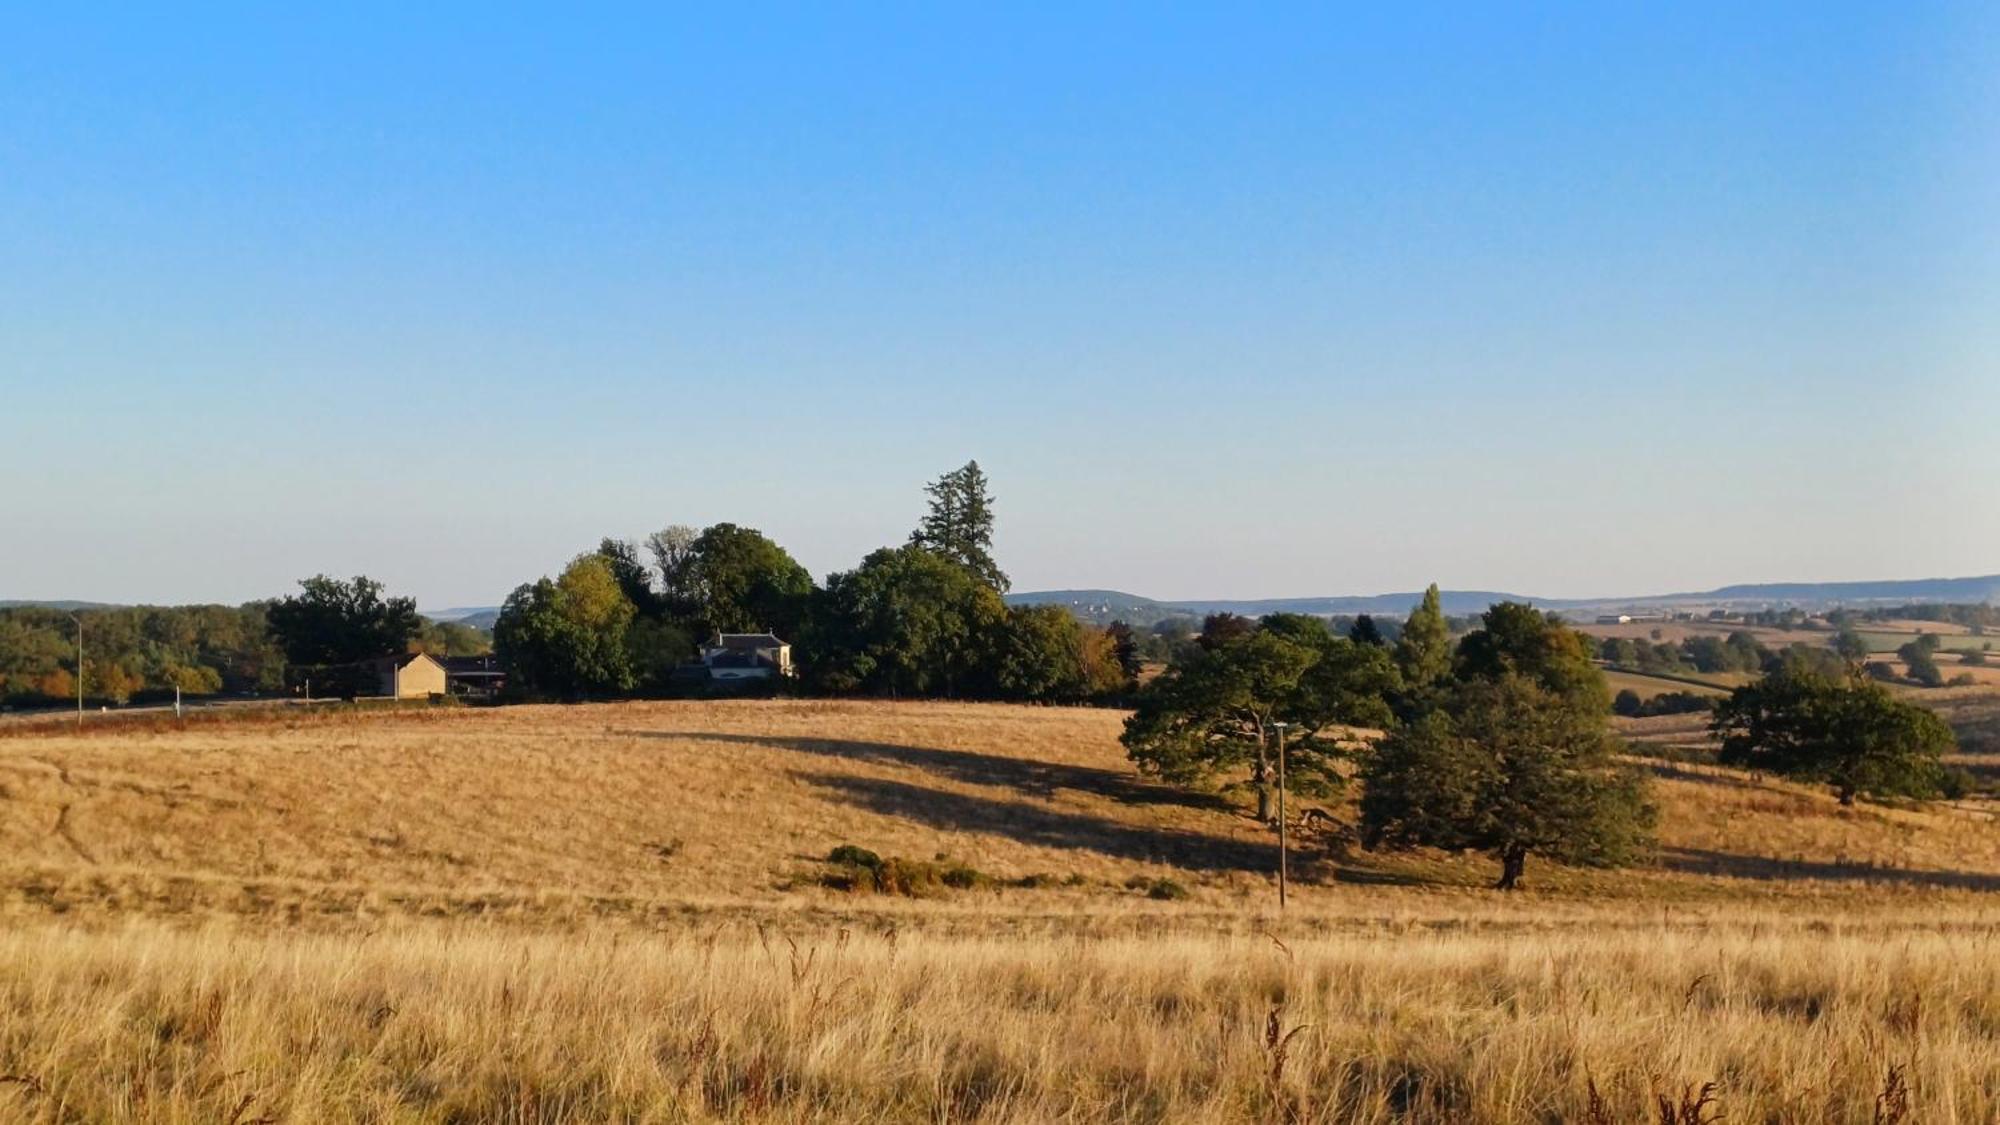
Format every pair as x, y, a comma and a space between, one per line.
1791, 1023
590, 914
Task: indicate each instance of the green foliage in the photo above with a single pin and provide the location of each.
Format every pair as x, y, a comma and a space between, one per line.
959, 524
450, 638
1040, 655
906, 621
1511, 766
1516, 639
1210, 715
1423, 651
856, 869
1852, 646
742, 582
1850, 734
203, 649
1365, 631
568, 638
634, 579
1631, 706
335, 623
1919, 657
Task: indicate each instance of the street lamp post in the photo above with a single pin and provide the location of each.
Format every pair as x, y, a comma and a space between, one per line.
1283, 873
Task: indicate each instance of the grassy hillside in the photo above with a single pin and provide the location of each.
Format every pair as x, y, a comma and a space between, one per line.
614, 913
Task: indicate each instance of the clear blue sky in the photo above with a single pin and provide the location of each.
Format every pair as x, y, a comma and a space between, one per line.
1230, 303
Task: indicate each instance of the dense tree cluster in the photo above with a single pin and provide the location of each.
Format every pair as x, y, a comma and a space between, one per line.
137, 652
924, 619
1847, 733
1497, 743
146, 652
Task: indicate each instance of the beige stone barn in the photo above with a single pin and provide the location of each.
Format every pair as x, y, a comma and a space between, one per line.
413, 675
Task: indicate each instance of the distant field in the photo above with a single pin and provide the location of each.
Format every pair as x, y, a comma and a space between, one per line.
614, 913
1886, 641
1648, 687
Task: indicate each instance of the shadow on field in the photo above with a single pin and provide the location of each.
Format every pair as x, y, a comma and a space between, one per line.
1038, 779
1044, 827
1701, 861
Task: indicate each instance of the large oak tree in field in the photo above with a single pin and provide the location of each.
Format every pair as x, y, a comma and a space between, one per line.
1852, 735
1515, 760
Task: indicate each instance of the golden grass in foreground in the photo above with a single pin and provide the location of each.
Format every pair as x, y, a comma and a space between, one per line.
1793, 1024
607, 913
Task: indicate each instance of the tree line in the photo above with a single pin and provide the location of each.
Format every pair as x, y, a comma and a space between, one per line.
927, 617
142, 653
1500, 742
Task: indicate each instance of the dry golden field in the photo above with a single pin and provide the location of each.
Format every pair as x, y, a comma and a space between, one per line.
613, 913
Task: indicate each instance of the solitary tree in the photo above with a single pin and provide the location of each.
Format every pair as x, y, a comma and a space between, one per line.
1852, 735
1512, 768
1919, 656
1852, 646
959, 525
1210, 714
1423, 651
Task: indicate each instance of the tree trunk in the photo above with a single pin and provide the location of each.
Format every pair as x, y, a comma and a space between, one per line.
1511, 861
1260, 776
1846, 795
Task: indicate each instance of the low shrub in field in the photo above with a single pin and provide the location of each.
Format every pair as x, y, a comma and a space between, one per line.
1164, 889
857, 869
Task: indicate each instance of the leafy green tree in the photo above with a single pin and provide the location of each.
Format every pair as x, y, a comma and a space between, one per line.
1619, 652
743, 582
334, 623
1041, 655
1221, 629
1850, 734
1423, 651
1512, 768
635, 579
1517, 639
1852, 646
1125, 648
1210, 714
1365, 631
959, 525
568, 638
906, 621
1919, 657
672, 548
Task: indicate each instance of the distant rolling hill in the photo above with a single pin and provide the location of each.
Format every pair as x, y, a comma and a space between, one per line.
478, 617
1103, 606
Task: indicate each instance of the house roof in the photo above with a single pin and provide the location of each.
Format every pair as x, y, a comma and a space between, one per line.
747, 640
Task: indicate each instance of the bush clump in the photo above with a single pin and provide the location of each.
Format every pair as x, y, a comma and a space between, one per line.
856, 869
1162, 889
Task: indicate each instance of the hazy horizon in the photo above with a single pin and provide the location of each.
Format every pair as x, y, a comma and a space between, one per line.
1564, 303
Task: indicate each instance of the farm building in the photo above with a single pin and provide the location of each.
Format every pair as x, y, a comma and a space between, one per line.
412, 675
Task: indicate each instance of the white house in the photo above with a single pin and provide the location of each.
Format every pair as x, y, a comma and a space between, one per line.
747, 656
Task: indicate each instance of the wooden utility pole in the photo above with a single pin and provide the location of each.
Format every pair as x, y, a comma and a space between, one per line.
1283, 863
